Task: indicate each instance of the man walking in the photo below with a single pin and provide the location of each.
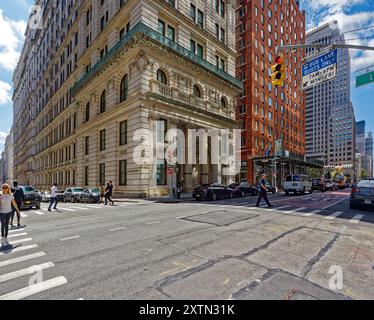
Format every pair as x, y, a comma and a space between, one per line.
53, 197
263, 192
19, 197
109, 193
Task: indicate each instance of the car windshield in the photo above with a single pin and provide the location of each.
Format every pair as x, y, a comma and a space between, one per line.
28, 189
77, 189
95, 191
289, 178
366, 184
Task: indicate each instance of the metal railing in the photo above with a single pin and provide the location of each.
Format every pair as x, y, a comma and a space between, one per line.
143, 29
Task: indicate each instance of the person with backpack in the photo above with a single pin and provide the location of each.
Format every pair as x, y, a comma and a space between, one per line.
6, 203
19, 197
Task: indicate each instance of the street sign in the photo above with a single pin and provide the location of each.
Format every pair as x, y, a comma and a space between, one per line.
364, 79
321, 69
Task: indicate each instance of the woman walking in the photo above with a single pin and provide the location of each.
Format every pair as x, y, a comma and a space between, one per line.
6, 202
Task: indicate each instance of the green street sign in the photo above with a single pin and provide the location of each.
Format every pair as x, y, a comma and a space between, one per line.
365, 79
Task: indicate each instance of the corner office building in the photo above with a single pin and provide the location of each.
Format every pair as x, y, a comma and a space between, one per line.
99, 70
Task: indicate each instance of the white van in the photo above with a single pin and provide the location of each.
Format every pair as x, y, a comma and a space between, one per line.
297, 183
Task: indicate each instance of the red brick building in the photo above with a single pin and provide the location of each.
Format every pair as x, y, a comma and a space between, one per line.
268, 113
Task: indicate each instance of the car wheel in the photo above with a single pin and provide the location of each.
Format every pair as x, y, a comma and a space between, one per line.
303, 192
287, 193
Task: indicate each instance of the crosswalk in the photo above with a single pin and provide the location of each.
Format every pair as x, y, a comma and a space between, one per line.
23, 267
69, 208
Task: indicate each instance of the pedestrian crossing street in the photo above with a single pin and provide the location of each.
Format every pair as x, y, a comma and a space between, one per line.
69, 208
328, 215
24, 268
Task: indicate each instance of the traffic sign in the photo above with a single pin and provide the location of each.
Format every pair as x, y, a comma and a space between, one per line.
321, 69
365, 79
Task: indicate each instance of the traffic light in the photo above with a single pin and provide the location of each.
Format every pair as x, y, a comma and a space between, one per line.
278, 72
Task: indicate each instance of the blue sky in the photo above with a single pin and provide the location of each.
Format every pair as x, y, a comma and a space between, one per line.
351, 14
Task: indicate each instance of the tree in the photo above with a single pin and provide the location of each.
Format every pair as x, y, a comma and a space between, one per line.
336, 172
363, 174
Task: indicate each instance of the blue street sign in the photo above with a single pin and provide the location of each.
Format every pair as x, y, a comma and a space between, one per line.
321, 69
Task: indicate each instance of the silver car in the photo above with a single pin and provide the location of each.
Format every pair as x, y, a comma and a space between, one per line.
72, 194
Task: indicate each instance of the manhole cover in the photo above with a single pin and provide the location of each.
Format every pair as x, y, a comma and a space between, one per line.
220, 218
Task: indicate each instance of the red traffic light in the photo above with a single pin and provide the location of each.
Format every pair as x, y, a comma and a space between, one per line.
278, 60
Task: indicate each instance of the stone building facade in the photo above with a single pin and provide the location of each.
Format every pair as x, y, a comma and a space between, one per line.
101, 74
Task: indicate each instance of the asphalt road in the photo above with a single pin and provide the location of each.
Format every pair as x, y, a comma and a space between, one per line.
306, 247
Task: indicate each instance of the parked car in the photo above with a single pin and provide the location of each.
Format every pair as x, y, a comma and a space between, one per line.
319, 184
90, 196
212, 192
46, 197
72, 194
32, 199
362, 195
60, 195
331, 185
297, 183
243, 189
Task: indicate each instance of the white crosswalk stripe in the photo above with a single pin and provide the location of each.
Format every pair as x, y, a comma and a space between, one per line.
23, 215
26, 271
16, 230
14, 242
21, 259
308, 214
39, 212
334, 215
17, 235
34, 289
357, 218
18, 249
295, 210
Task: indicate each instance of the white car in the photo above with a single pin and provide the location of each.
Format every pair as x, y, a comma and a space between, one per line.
297, 183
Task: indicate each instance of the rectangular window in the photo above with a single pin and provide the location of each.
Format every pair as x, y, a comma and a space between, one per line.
86, 182
102, 173
87, 146
200, 51
200, 19
161, 27
102, 140
171, 33
123, 133
193, 12
123, 173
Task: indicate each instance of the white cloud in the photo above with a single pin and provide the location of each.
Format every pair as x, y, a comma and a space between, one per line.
12, 36
3, 136
5, 92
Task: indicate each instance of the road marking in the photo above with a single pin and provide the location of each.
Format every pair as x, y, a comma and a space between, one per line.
38, 212
70, 238
18, 249
334, 215
34, 289
295, 210
154, 222
66, 209
17, 235
23, 215
335, 203
16, 230
80, 208
356, 218
284, 207
21, 241
26, 271
117, 229
308, 214
21, 259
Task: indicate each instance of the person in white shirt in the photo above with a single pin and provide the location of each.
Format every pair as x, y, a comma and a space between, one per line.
53, 197
6, 201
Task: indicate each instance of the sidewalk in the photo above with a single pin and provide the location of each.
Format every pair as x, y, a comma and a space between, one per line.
185, 197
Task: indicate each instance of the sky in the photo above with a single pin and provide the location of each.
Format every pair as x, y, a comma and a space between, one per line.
351, 14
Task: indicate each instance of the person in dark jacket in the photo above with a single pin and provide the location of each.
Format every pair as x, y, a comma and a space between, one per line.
263, 192
19, 197
109, 193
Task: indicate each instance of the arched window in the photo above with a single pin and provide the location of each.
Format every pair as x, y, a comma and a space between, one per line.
124, 88
161, 76
103, 102
87, 117
196, 92
223, 102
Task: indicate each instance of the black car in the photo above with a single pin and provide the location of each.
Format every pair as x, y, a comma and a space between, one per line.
243, 189
72, 194
90, 196
362, 195
212, 192
319, 184
32, 199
